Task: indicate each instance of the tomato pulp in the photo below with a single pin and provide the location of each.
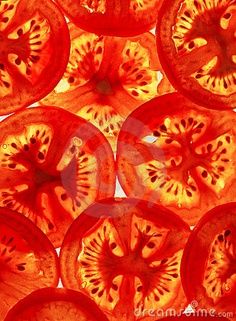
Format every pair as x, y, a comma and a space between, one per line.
107, 78
53, 164
34, 51
28, 261
54, 305
125, 254
195, 42
112, 17
173, 152
211, 278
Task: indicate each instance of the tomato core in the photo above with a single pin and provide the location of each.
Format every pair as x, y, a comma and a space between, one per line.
132, 263
104, 87
69, 178
42, 177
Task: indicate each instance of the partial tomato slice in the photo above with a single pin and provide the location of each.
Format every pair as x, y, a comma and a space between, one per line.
211, 278
55, 305
34, 51
53, 164
125, 254
112, 17
180, 155
28, 261
107, 78
196, 46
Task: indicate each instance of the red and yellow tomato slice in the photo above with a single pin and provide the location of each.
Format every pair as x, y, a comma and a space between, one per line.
34, 51
28, 261
173, 152
125, 254
107, 78
53, 164
195, 42
54, 305
211, 278
112, 17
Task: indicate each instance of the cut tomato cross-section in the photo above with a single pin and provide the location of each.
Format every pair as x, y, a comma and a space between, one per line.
112, 17
125, 254
211, 279
53, 164
56, 305
107, 78
196, 46
28, 261
173, 152
34, 51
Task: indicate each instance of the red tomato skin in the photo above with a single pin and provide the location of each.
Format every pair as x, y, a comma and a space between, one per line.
195, 92
193, 268
48, 295
51, 75
116, 20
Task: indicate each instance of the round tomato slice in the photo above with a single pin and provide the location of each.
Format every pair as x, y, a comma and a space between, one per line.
106, 78
173, 152
112, 17
34, 51
195, 42
53, 164
125, 254
211, 279
55, 305
28, 260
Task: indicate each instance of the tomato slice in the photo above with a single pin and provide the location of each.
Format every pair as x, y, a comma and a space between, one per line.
195, 42
34, 51
112, 17
180, 155
53, 164
125, 254
54, 305
211, 280
107, 78
28, 261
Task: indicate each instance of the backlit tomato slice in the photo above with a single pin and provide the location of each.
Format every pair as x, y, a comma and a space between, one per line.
53, 164
107, 78
112, 17
28, 261
196, 45
211, 278
34, 51
55, 305
125, 254
180, 155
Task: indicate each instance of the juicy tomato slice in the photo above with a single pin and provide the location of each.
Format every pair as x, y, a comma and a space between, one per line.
211, 280
53, 164
125, 254
195, 41
180, 155
112, 17
106, 78
28, 260
56, 304
34, 51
